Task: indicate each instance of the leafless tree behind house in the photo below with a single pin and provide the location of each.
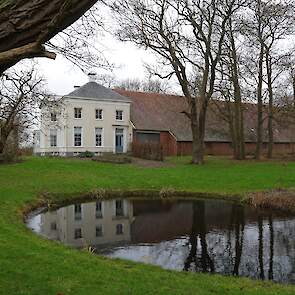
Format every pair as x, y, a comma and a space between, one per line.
188, 37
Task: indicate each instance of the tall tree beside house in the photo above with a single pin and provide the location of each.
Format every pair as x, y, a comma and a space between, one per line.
21, 93
27, 37
187, 37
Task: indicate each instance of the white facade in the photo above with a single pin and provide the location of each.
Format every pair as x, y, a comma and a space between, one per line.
88, 226
80, 124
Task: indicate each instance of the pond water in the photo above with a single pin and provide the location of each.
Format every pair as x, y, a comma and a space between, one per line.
199, 236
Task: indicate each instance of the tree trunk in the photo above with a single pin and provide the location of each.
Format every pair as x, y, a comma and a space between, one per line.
232, 129
259, 106
199, 150
3, 139
270, 106
239, 116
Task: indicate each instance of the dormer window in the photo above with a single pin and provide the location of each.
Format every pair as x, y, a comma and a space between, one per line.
119, 115
98, 114
53, 117
77, 113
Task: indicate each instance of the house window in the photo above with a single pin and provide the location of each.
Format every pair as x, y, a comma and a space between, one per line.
53, 225
119, 115
78, 113
77, 136
78, 233
98, 231
53, 117
119, 229
78, 212
98, 136
119, 208
98, 210
53, 138
98, 114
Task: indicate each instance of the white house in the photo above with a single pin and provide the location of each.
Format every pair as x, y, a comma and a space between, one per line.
97, 223
91, 118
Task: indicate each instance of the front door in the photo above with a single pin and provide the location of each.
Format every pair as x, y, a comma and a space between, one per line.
119, 140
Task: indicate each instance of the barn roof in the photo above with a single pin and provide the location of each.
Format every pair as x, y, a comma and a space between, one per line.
161, 112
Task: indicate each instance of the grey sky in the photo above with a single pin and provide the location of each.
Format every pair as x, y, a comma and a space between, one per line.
62, 75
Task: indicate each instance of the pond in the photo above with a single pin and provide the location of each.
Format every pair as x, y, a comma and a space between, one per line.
185, 235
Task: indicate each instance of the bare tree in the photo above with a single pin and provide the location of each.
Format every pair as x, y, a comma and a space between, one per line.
21, 93
230, 86
187, 36
278, 21
145, 85
268, 22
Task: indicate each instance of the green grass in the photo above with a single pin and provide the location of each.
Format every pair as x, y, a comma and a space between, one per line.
32, 265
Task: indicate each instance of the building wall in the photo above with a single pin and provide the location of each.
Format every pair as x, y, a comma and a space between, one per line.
168, 143
66, 122
225, 148
66, 223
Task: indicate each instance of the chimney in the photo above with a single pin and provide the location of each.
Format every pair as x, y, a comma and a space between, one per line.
92, 77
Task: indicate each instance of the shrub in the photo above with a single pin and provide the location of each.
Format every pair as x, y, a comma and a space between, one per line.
86, 154
148, 150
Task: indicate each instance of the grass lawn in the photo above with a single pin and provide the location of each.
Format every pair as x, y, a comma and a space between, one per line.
32, 265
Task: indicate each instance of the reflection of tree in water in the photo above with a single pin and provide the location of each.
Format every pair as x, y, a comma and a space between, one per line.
239, 223
229, 255
271, 247
203, 262
260, 247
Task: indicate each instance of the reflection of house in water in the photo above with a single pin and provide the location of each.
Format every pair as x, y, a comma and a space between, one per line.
206, 236
96, 223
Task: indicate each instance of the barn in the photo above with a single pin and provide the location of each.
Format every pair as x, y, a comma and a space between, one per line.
159, 118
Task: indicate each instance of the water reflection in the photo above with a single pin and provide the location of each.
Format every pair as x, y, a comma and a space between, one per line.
202, 236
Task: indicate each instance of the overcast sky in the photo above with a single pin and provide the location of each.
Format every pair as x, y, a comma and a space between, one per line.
62, 75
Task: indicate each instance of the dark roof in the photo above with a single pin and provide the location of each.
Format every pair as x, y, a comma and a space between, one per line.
161, 112
92, 90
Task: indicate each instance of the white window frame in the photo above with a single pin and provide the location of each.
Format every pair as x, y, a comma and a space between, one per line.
99, 119
53, 131
102, 137
81, 233
102, 232
78, 217
99, 216
123, 208
77, 108
53, 115
122, 232
78, 146
122, 119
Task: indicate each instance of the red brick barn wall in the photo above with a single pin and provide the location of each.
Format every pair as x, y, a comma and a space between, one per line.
168, 143
225, 148
284, 148
211, 148
278, 148
184, 148
218, 148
